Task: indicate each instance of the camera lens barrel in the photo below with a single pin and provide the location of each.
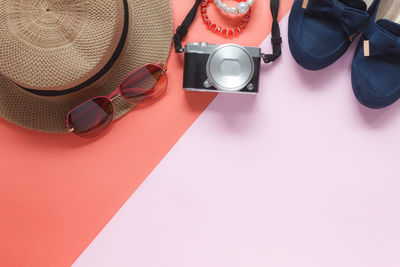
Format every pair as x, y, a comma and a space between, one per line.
230, 67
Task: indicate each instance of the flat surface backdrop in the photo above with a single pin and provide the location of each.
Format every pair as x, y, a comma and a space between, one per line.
300, 175
58, 192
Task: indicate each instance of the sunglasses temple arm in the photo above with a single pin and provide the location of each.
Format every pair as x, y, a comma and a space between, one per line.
162, 65
115, 97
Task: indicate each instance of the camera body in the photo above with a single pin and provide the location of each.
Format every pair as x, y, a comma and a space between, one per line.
227, 68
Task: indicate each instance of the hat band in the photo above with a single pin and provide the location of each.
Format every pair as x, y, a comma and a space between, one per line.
101, 73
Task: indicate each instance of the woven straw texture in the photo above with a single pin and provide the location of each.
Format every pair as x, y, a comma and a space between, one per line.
149, 41
38, 35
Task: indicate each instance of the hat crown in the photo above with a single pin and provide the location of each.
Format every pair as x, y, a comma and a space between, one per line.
57, 45
47, 24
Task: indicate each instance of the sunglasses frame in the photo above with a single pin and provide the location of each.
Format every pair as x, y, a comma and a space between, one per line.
117, 93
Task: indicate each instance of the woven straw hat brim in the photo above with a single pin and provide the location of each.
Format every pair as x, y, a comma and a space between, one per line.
149, 41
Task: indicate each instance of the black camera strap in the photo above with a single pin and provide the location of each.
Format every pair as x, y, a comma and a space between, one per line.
276, 38
182, 30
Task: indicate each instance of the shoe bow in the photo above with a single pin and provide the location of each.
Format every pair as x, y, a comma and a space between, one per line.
381, 41
352, 20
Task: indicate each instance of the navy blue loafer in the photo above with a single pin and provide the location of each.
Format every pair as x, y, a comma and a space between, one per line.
376, 65
320, 31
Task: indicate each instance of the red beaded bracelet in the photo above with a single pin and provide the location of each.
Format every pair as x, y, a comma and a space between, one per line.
230, 32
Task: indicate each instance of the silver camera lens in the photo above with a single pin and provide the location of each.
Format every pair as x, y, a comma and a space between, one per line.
230, 67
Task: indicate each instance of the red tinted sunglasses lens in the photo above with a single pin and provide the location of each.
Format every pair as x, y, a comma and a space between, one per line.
91, 118
144, 85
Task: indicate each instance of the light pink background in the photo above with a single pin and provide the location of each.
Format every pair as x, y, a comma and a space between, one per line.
299, 176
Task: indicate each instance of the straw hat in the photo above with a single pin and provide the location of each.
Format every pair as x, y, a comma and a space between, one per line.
55, 54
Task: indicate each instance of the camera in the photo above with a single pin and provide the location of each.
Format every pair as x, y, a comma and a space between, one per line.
228, 68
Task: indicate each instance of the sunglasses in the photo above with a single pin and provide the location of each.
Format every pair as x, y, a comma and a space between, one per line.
94, 116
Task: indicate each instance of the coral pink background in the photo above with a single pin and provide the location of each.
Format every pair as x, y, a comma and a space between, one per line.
58, 192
